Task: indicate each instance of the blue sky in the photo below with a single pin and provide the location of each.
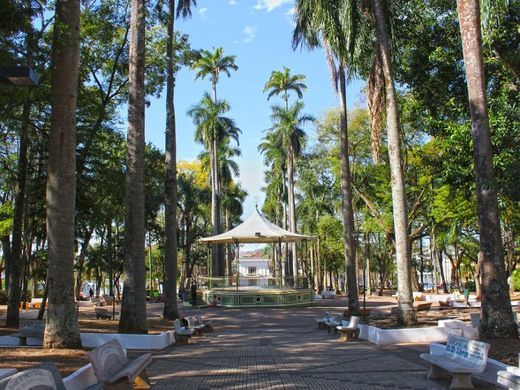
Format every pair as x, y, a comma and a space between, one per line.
259, 33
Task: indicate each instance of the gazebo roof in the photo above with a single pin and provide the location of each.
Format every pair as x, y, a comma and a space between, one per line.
256, 229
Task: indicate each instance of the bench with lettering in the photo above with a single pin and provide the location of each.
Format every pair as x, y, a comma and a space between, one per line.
461, 358
115, 371
30, 329
44, 376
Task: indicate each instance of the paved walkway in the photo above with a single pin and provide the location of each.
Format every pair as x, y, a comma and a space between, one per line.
284, 349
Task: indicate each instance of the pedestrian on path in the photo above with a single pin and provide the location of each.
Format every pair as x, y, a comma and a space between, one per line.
193, 293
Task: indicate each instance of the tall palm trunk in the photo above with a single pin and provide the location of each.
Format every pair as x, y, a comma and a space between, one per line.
292, 212
133, 306
216, 258
61, 330
496, 315
170, 311
407, 313
217, 253
346, 201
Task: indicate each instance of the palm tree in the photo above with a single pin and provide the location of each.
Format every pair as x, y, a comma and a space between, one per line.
61, 330
170, 209
211, 129
133, 306
283, 82
497, 317
288, 123
407, 313
322, 20
213, 64
275, 158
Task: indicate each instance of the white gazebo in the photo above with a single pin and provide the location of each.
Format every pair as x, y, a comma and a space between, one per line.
256, 230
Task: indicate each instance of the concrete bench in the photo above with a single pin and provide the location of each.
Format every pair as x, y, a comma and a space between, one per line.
461, 358
182, 334
199, 326
328, 294
115, 371
321, 320
423, 306
509, 378
348, 329
44, 376
104, 313
333, 322
30, 329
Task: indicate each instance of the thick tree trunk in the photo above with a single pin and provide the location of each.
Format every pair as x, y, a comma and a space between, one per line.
133, 306
497, 315
407, 313
170, 311
61, 330
349, 249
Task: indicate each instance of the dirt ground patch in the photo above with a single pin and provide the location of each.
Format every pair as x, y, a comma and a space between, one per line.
67, 360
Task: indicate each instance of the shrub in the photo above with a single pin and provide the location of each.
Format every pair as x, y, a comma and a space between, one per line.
3, 297
515, 279
471, 286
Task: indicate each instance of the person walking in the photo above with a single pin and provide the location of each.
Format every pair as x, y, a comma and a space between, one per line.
91, 293
193, 293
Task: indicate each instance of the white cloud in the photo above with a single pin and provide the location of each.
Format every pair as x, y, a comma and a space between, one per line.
291, 11
250, 33
232, 2
203, 11
270, 5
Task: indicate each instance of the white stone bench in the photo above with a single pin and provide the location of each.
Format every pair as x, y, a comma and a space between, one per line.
326, 316
509, 378
182, 334
461, 358
104, 313
30, 329
199, 325
115, 371
333, 322
349, 329
328, 294
44, 376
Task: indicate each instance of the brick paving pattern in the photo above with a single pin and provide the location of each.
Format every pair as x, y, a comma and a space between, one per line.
284, 349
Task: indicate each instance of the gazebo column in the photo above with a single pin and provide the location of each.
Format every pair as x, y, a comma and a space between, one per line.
280, 261
237, 255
